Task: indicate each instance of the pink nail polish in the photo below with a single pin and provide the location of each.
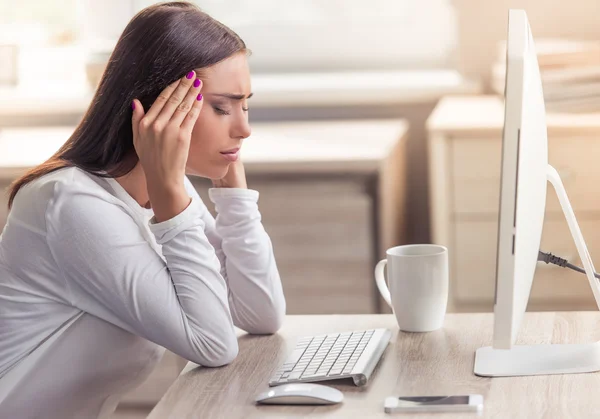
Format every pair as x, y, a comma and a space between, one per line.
199, 97
197, 83
189, 75
133, 105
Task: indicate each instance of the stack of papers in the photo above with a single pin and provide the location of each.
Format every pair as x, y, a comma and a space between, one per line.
570, 72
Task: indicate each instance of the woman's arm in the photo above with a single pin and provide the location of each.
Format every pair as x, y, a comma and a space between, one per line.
113, 273
248, 265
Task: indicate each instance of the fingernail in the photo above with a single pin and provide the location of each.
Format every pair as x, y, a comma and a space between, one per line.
189, 75
197, 83
199, 97
133, 105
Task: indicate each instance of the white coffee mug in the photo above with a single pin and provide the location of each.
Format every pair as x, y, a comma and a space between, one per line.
418, 285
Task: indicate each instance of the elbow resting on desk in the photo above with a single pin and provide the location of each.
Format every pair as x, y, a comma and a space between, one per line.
266, 322
216, 352
271, 323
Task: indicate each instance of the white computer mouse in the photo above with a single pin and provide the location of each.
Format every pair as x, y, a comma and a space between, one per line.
301, 393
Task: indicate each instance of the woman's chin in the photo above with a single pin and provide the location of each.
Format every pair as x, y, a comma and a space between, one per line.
212, 173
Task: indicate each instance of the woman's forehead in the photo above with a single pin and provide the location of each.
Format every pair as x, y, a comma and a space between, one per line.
230, 75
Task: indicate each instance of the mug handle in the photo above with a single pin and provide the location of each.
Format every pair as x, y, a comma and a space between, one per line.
380, 280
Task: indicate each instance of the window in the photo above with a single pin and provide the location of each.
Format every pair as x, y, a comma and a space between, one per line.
37, 21
317, 35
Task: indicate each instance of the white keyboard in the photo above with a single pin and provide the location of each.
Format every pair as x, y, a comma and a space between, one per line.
334, 356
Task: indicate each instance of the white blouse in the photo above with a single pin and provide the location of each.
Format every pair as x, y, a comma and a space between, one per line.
79, 255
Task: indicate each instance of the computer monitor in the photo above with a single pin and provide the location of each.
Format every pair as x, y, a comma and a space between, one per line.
524, 177
523, 181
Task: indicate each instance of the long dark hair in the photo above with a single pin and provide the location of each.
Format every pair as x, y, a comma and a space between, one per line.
159, 45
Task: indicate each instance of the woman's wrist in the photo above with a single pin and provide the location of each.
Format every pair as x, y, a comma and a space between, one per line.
168, 203
235, 177
223, 183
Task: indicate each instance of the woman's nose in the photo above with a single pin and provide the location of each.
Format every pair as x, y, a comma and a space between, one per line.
242, 129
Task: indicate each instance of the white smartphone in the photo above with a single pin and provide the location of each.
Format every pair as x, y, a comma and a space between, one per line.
459, 403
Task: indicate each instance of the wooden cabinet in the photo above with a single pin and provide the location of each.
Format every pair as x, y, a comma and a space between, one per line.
464, 146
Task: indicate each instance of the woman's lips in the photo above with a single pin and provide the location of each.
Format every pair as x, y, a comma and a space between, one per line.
231, 155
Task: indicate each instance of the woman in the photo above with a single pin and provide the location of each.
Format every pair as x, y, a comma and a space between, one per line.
109, 255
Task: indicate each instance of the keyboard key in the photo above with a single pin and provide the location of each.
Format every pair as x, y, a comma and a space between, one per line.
295, 375
295, 356
340, 362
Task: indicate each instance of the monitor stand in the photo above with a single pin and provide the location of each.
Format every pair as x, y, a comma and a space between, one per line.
547, 359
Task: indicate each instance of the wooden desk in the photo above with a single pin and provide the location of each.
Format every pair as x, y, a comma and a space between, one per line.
414, 364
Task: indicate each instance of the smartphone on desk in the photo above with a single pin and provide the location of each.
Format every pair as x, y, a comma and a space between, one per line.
459, 403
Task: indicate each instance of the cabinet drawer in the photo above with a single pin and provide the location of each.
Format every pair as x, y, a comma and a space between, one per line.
474, 265
320, 230
475, 170
327, 287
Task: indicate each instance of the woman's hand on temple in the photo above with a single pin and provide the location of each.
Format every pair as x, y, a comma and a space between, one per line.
235, 177
161, 139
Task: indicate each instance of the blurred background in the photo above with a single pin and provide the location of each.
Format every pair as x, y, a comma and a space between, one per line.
375, 124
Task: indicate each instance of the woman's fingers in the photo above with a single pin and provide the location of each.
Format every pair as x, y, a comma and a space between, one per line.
187, 104
162, 136
192, 115
175, 100
160, 101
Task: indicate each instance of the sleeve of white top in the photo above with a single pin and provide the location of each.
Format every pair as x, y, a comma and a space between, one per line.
245, 252
113, 273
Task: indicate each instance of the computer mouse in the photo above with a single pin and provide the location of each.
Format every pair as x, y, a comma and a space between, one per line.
301, 393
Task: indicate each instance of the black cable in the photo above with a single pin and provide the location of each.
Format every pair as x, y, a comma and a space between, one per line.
563, 263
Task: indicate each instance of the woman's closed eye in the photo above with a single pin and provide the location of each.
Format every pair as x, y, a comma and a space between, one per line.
220, 110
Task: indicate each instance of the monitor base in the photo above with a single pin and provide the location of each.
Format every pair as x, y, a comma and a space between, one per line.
537, 360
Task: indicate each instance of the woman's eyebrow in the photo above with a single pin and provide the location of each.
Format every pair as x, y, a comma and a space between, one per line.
233, 96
